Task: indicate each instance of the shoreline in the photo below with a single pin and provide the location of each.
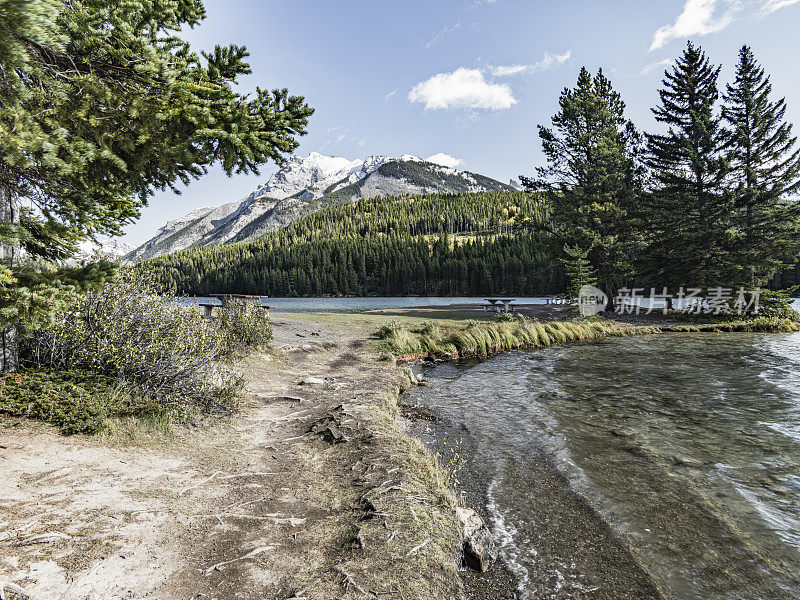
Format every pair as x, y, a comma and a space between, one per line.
319, 453
570, 527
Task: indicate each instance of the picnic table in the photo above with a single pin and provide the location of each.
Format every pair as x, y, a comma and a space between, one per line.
226, 298
495, 303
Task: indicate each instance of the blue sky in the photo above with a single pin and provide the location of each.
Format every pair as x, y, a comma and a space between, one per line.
468, 78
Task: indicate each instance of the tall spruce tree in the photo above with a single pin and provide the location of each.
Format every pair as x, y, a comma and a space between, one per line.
101, 104
687, 214
593, 177
765, 173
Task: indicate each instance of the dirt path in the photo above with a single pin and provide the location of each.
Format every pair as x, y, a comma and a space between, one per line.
255, 506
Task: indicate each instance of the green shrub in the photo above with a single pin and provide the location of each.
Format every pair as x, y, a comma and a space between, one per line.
129, 332
778, 304
74, 401
243, 325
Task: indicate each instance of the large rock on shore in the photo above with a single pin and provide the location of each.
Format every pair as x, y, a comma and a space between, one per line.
477, 544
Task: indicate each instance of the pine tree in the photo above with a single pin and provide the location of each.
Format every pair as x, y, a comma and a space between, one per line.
101, 104
578, 269
765, 171
687, 215
593, 176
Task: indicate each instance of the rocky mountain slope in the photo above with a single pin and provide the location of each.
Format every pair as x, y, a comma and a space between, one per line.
304, 185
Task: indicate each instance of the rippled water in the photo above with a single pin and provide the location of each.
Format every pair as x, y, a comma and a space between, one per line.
687, 447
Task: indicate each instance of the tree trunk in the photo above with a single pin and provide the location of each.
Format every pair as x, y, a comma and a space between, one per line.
609, 291
9, 253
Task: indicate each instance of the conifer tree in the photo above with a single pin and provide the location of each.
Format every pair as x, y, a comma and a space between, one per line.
593, 176
765, 172
688, 212
578, 269
101, 104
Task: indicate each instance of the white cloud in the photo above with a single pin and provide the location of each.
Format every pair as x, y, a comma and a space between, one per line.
549, 61
701, 17
441, 33
445, 160
667, 62
389, 95
463, 88
508, 70
770, 6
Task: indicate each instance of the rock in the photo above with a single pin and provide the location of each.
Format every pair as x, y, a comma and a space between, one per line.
622, 432
329, 426
477, 544
313, 381
686, 461
411, 377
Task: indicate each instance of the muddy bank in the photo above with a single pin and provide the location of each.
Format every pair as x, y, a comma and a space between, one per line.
310, 490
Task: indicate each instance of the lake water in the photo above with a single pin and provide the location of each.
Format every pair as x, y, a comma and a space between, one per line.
362, 304
687, 447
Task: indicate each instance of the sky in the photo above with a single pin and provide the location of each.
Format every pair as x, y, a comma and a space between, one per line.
469, 79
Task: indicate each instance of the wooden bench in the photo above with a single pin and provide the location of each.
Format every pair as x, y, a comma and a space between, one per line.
210, 307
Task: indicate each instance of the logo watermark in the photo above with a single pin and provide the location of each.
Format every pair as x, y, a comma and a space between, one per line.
688, 300
591, 300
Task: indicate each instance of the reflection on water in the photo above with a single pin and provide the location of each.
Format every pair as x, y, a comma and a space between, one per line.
687, 446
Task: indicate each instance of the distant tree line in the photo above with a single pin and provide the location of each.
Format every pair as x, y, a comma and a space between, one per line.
709, 200
461, 244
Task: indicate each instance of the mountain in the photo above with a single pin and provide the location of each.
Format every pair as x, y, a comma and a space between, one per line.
470, 244
105, 246
305, 185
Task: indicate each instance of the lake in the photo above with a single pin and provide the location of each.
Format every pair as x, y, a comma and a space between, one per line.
363, 304
685, 447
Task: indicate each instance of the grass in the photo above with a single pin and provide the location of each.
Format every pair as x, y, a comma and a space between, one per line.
74, 401
421, 510
477, 339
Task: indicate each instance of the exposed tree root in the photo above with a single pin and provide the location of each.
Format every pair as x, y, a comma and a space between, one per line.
250, 554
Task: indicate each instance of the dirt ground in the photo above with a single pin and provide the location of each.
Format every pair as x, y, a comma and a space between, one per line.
310, 490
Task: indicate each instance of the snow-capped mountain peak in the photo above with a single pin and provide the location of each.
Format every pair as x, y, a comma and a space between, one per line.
308, 183
316, 171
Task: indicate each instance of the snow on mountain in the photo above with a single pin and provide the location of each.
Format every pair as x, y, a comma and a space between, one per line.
108, 247
306, 184
310, 175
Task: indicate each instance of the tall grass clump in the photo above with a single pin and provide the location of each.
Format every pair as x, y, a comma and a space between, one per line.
474, 339
398, 340
150, 345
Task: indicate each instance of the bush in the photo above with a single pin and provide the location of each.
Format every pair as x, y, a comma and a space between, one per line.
169, 353
243, 325
777, 304
74, 401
